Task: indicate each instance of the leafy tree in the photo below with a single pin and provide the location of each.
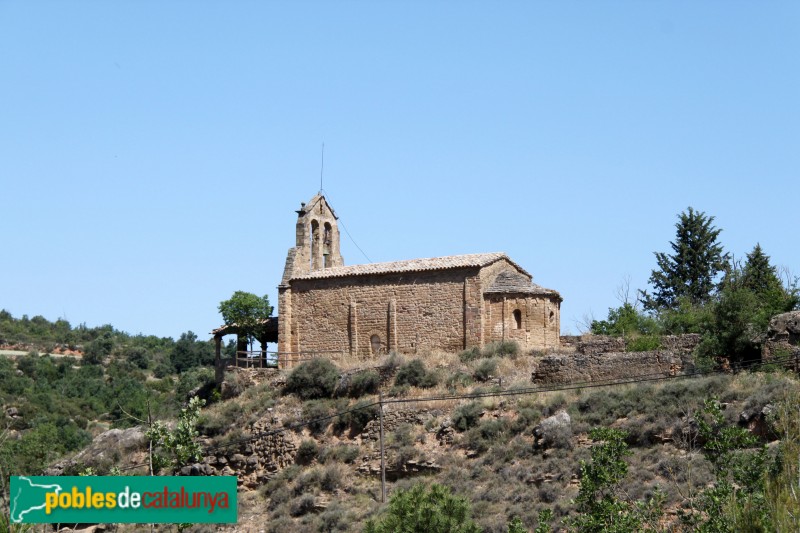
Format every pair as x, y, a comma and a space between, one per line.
600, 508
245, 310
425, 510
625, 320
97, 350
691, 270
739, 465
189, 352
177, 447
749, 297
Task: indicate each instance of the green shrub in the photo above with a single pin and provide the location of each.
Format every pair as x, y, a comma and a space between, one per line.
316, 413
527, 418
331, 478
356, 417
342, 454
313, 379
459, 379
434, 510
493, 349
501, 349
307, 451
366, 382
644, 343
302, 505
470, 354
486, 369
414, 374
410, 373
194, 379
467, 415
482, 437
399, 391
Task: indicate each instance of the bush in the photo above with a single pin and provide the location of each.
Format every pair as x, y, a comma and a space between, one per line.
331, 478
645, 343
482, 437
366, 382
501, 349
414, 374
357, 417
314, 379
435, 510
411, 373
316, 413
307, 452
302, 505
470, 354
342, 453
493, 349
485, 370
193, 380
459, 379
467, 416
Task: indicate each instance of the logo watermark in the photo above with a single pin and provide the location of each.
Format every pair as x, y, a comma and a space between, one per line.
123, 499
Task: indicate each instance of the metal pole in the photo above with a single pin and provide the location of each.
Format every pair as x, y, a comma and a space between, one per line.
383, 464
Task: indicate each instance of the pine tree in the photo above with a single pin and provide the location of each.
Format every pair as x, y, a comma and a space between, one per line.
759, 275
689, 273
749, 296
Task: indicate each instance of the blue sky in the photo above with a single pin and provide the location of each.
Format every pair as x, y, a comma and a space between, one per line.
152, 154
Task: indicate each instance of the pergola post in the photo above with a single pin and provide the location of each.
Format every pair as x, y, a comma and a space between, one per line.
219, 365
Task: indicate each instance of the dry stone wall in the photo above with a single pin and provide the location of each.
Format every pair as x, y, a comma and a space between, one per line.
600, 358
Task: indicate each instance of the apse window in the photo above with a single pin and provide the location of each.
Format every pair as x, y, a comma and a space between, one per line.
517, 319
375, 343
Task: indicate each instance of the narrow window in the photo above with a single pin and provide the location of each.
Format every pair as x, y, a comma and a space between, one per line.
552, 316
326, 244
375, 343
517, 319
315, 245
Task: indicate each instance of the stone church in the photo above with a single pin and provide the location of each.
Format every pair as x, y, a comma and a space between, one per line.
447, 303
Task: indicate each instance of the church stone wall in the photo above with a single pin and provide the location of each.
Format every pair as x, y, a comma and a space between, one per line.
406, 312
538, 329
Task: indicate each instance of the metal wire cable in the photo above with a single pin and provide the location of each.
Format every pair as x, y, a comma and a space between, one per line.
642, 378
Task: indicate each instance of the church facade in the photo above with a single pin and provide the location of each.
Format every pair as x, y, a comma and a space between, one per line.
447, 303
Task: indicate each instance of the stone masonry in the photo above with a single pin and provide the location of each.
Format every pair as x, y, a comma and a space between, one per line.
446, 303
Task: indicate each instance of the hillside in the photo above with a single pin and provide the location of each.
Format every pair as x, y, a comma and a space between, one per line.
512, 452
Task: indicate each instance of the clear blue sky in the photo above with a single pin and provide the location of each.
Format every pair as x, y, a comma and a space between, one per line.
152, 154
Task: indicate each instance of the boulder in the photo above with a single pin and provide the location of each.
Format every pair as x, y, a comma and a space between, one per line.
783, 336
103, 448
554, 431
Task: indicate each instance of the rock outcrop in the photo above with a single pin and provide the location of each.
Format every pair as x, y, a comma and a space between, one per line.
783, 336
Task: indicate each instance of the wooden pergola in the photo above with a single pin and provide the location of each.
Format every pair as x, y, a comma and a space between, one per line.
266, 331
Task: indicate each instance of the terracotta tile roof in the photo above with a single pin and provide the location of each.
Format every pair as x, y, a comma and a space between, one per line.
270, 326
410, 265
513, 282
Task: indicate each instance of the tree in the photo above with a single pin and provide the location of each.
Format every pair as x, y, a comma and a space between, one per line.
425, 510
97, 350
740, 465
625, 320
189, 352
246, 311
690, 271
599, 506
748, 298
179, 446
